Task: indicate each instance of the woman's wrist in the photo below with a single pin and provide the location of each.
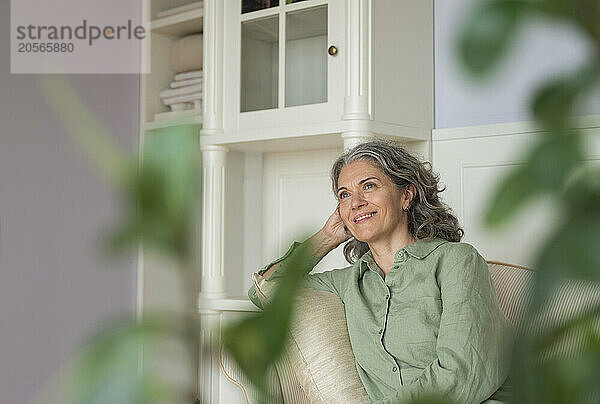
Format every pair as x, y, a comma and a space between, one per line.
320, 244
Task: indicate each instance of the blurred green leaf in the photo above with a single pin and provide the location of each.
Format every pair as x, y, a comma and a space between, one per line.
106, 370
553, 159
584, 321
572, 377
257, 342
546, 169
488, 32
582, 191
558, 8
583, 14
516, 189
574, 250
161, 195
562, 378
555, 167
554, 102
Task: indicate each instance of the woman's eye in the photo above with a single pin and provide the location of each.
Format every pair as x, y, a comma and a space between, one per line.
369, 186
343, 195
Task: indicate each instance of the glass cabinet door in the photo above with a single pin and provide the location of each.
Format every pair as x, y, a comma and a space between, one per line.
260, 64
284, 54
306, 56
254, 5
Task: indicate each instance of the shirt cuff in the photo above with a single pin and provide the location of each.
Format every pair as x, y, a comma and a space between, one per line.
309, 261
290, 250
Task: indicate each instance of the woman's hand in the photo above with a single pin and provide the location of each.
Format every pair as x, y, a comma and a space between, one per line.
332, 234
335, 230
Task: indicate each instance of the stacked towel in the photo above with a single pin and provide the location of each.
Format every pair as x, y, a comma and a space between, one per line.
185, 92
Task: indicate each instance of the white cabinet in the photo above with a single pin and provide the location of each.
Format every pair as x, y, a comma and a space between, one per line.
278, 69
320, 73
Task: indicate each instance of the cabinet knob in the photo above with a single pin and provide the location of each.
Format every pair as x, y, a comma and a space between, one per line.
332, 50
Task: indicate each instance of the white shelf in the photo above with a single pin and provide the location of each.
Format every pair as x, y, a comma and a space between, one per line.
309, 136
188, 22
167, 123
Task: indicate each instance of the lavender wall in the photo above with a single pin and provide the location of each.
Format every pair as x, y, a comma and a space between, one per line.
542, 51
55, 287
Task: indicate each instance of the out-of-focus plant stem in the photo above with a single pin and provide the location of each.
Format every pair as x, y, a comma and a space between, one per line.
97, 143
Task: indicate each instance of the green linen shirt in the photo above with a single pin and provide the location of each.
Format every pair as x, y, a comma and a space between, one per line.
433, 323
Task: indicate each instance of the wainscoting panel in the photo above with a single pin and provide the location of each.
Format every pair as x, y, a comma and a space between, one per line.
472, 166
297, 199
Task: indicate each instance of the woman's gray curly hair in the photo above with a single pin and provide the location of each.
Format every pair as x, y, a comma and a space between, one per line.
427, 215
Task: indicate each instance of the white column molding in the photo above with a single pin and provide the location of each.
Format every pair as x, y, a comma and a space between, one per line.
213, 221
213, 67
354, 138
209, 369
358, 59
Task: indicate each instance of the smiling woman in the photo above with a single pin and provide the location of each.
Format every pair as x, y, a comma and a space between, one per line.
421, 309
411, 191
371, 204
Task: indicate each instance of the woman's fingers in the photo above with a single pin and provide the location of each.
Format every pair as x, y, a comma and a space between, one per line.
336, 228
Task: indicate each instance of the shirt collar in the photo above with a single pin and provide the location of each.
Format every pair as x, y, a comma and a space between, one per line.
419, 249
422, 248
368, 262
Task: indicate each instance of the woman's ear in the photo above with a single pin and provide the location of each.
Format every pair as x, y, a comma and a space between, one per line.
409, 193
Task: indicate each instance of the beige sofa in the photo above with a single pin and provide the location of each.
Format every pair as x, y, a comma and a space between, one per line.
513, 285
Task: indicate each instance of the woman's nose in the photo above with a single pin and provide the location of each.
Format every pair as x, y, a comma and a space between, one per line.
358, 201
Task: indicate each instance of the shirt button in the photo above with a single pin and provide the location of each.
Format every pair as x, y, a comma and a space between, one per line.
394, 369
387, 297
380, 332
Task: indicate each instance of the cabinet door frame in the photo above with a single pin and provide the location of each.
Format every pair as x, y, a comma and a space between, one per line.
330, 111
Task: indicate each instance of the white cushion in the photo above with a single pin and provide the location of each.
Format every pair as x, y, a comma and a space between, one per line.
319, 346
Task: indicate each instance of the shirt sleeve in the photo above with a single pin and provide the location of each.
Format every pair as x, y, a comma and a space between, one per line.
328, 281
474, 340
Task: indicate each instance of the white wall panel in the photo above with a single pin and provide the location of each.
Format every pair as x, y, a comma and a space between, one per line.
297, 200
473, 167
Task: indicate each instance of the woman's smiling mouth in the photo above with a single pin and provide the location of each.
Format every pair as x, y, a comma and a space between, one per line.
363, 217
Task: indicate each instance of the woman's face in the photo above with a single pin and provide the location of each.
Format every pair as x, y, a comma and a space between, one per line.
370, 203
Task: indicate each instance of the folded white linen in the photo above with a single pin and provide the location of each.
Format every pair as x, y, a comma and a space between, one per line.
183, 83
182, 98
181, 106
195, 74
189, 110
181, 91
